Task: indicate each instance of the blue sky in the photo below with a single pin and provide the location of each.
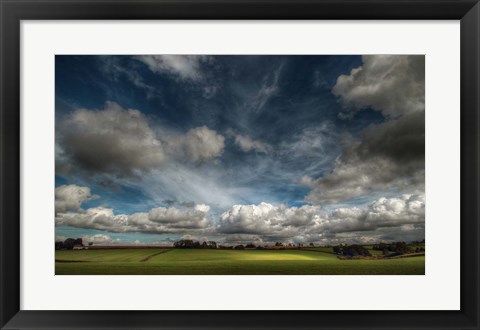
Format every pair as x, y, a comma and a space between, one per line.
325, 149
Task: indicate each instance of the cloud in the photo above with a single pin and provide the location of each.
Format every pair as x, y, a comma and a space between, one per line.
243, 239
113, 139
312, 149
402, 139
197, 145
59, 238
106, 240
269, 222
268, 89
70, 198
247, 144
101, 239
389, 156
195, 238
185, 67
122, 142
183, 184
158, 220
115, 70
382, 213
386, 219
392, 84
176, 218
266, 218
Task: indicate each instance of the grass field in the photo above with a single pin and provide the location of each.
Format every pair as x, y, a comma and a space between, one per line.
317, 261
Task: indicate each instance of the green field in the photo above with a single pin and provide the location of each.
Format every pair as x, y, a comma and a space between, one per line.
317, 261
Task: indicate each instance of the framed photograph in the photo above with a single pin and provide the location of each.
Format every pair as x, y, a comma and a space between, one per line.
238, 164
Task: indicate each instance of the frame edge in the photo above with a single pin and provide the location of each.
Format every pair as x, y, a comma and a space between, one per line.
10, 315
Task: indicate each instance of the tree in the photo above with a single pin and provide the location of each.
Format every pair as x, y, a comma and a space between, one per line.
278, 244
250, 246
58, 245
69, 243
239, 247
402, 247
311, 244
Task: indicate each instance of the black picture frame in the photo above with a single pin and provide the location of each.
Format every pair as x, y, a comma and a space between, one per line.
13, 11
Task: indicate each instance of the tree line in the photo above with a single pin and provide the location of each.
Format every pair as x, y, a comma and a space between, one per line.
398, 248
191, 244
70, 243
388, 249
351, 250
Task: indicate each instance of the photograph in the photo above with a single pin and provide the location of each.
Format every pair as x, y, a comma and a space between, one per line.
207, 164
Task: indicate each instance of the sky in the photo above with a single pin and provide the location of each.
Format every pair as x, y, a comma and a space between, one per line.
150, 149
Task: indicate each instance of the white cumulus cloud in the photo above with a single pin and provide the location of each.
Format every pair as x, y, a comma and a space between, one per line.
392, 84
70, 197
385, 219
197, 145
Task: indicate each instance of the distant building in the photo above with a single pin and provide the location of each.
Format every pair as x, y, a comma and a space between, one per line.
79, 247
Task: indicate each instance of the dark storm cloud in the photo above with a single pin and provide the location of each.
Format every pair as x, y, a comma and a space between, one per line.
402, 140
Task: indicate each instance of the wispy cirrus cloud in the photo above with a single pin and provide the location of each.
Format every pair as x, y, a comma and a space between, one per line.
185, 67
